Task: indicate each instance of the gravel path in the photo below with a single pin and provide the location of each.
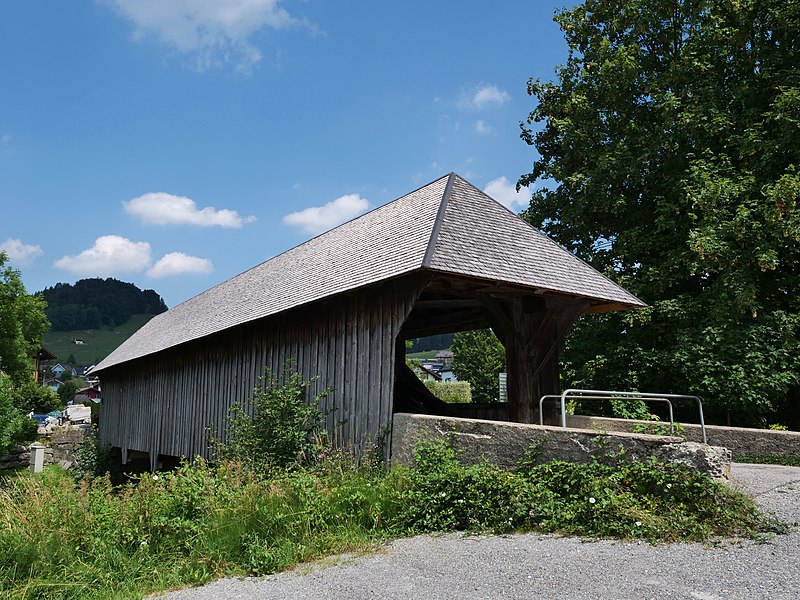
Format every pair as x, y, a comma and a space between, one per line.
542, 567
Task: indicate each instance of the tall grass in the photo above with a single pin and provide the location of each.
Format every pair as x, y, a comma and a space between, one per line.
65, 539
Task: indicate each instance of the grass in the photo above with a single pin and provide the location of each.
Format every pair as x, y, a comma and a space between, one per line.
98, 343
62, 540
426, 355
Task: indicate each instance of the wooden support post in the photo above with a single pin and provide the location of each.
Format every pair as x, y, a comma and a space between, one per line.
532, 330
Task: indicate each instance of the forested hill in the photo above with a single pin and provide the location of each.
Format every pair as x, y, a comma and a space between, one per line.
93, 303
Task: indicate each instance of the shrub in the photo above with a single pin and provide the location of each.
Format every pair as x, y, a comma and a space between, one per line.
93, 457
274, 428
15, 426
453, 392
644, 499
32, 397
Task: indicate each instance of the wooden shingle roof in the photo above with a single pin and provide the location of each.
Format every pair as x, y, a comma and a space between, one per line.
447, 226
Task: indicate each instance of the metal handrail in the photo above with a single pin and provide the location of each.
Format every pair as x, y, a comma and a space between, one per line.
609, 395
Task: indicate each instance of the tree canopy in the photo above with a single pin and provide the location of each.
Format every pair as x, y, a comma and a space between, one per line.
669, 148
92, 303
22, 324
479, 357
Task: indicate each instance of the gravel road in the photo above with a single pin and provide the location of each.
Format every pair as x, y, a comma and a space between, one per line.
543, 567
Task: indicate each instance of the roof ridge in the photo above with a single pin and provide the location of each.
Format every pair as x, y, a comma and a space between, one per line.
437, 224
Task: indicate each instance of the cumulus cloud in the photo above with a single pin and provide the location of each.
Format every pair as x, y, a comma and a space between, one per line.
317, 219
484, 96
178, 263
483, 128
213, 31
110, 255
20, 253
159, 208
505, 192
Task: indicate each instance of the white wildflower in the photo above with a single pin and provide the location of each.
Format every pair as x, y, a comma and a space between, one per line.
592, 500
155, 477
638, 523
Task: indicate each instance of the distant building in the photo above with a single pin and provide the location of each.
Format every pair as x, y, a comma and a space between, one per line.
444, 356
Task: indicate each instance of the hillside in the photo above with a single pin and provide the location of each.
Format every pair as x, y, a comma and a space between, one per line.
98, 343
97, 303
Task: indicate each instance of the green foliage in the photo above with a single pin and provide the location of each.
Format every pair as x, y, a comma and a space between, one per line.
479, 357
15, 426
645, 500
93, 458
93, 303
769, 459
274, 428
22, 323
661, 428
87, 540
671, 134
453, 392
32, 397
66, 391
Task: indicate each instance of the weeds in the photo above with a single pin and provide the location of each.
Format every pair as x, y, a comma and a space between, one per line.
280, 495
65, 539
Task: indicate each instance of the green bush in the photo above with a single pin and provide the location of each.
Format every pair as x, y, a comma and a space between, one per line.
646, 499
32, 397
67, 539
15, 426
274, 428
452, 392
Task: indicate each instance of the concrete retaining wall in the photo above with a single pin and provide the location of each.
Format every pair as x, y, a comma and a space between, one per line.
741, 441
505, 444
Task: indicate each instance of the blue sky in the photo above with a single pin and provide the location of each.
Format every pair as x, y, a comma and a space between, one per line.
176, 144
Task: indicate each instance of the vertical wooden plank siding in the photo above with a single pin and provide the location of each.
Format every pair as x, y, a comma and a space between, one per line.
164, 404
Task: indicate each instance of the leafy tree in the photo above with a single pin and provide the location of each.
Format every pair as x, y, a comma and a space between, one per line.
32, 397
15, 426
66, 391
671, 138
22, 324
479, 357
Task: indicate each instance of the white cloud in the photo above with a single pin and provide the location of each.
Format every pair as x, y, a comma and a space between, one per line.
159, 208
483, 128
20, 253
489, 95
6, 139
110, 255
213, 31
484, 96
178, 263
505, 192
317, 219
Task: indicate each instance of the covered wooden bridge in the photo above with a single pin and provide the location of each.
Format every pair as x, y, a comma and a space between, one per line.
443, 258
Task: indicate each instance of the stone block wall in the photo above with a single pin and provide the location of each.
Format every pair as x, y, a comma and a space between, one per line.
60, 444
505, 444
